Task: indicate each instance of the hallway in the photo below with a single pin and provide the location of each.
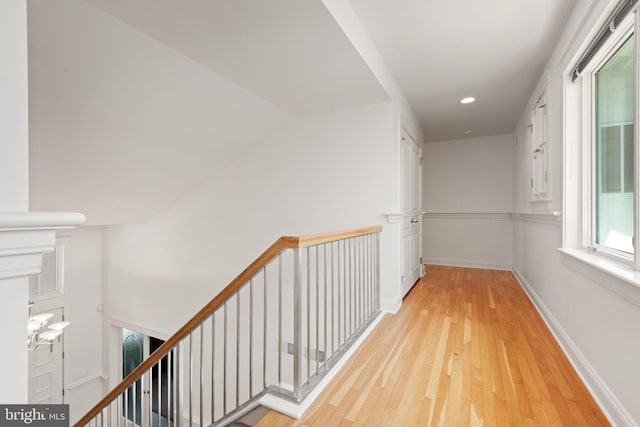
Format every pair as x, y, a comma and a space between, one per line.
467, 348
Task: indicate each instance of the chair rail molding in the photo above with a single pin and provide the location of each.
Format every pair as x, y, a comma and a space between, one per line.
465, 215
550, 218
393, 217
25, 236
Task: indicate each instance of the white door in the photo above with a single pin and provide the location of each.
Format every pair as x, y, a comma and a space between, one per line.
46, 369
411, 212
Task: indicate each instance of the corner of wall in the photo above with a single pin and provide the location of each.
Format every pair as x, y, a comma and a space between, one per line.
348, 21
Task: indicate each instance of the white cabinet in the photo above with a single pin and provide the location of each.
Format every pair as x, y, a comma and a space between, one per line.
539, 154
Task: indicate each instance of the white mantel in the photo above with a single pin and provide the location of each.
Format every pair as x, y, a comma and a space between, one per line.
24, 237
39, 220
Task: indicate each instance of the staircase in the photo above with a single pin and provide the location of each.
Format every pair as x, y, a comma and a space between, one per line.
277, 329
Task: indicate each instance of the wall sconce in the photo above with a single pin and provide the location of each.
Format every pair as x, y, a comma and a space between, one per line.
40, 332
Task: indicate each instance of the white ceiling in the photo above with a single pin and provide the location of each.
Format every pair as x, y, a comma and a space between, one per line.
440, 51
290, 52
131, 109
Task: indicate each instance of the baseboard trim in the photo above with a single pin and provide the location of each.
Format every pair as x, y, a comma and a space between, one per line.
610, 405
297, 410
467, 264
390, 306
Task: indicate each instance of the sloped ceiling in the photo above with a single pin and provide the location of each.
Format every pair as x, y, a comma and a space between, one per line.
132, 104
290, 52
441, 51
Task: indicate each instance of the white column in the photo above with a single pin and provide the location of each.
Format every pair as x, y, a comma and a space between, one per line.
14, 121
13, 357
14, 192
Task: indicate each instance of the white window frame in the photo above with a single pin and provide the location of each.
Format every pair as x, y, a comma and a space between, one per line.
615, 41
61, 253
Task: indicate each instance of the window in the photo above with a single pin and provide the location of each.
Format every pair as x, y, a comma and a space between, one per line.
132, 356
613, 119
51, 280
608, 93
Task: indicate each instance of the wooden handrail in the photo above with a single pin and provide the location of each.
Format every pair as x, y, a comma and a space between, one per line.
318, 239
278, 246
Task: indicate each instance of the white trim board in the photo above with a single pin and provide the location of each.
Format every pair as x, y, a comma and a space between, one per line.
610, 405
390, 305
466, 215
19, 221
93, 377
551, 218
466, 264
602, 271
143, 329
393, 217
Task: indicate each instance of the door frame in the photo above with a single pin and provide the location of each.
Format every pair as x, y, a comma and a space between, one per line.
115, 354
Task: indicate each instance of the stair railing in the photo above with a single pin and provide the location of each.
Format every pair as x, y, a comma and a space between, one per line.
277, 328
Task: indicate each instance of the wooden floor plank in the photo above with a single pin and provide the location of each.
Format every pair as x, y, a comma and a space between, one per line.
467, 348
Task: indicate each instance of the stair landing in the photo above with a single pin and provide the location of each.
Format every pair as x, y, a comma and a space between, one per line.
467, 348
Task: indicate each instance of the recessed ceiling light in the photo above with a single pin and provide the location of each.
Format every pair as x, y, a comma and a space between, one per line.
468, 132
467, 100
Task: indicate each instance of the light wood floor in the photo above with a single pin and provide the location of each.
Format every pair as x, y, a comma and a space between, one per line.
466, 349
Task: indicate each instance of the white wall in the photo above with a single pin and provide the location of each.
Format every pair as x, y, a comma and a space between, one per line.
83, 371
14, 170
597, 327
345, 16
83, 338
107, 105
323, 173
467, 197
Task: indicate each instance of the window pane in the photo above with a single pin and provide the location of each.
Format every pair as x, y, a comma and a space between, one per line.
610, 152
614, 150
132, 355
628, 158
45, 282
